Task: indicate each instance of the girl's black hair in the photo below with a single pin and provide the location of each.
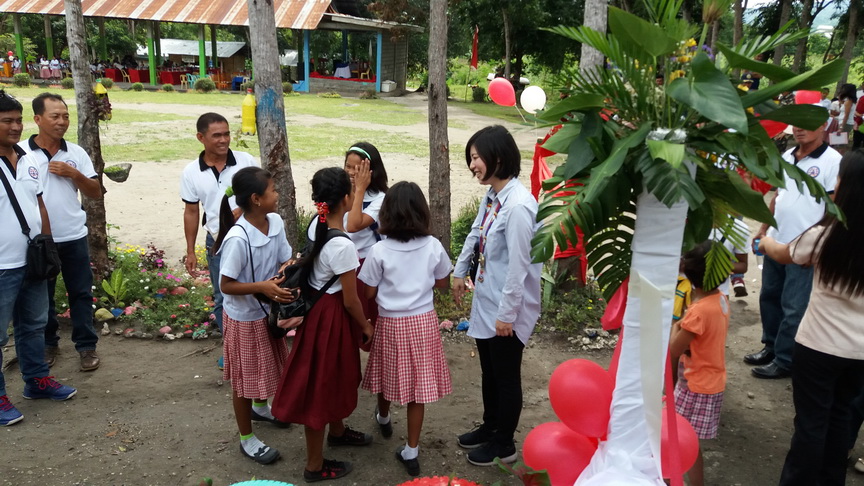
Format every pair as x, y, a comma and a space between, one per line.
695, 266
847, 91
246, 182
404, 213
840, 262
376, 165
330, 186
499, 152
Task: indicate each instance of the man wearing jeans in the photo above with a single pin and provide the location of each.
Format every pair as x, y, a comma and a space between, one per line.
66, 169
204, 182
22, 299
786, 288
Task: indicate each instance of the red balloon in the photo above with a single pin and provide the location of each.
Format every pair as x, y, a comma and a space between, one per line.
581, 393
688, 445
10, 53
501, 92
773, 127
564, 454
803, 97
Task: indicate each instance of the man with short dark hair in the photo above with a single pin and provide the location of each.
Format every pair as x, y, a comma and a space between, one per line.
22, 298
204, 182
67, 169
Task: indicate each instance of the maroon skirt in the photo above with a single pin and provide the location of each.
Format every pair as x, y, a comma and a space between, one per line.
370, 307
321, 376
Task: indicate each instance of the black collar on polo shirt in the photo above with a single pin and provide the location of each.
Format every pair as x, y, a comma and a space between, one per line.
814, 154
19, 152
203, 165
35, 146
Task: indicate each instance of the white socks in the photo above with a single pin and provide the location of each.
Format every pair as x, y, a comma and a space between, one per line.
253, 446
382, 420
409, 452
263, 410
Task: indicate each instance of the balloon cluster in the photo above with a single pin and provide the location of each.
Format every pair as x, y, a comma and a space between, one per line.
533, 98
580, 392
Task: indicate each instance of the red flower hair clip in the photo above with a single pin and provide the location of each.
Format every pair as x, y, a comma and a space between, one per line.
323, 211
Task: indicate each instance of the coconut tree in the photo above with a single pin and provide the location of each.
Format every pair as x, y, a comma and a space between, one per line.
651, 168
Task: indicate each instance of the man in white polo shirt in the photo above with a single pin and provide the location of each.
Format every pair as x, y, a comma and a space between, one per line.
20, 297
203, 183
786, 288
66, 169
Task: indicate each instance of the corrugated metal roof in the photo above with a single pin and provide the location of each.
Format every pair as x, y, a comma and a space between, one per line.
290, 14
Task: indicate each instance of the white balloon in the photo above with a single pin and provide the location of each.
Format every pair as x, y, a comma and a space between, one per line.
533, 99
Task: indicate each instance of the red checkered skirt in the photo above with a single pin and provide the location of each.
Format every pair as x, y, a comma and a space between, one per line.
320, 380
407, 362
253, 359
700, 409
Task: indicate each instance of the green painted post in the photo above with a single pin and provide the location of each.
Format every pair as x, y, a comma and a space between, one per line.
49, 41
19, 42
214, 54
157, 33
151, 53
202, 52
103, 40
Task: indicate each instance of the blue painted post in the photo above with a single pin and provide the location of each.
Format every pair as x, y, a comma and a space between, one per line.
306, 80
378, 56
344, 46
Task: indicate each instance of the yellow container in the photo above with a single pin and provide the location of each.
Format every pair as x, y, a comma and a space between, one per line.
247, 124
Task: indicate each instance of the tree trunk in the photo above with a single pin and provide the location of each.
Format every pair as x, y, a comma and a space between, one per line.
595, 18
506, 43
439, 145
270, 113
715, 33
738, 28
785, 13
828, 50
800, 61
88, 133
851, 39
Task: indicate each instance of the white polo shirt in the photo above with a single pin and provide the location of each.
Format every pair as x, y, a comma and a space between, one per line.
405, 273
268, 253
365, 238
68, 219
201, 183
27, 185
795, 211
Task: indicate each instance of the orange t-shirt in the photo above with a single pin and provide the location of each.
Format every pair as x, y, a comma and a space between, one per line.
705, 368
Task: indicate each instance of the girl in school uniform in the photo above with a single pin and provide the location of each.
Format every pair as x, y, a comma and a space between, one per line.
406, 363
319, 384
253, 250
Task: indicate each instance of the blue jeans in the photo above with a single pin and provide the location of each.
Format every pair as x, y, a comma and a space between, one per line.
782, 301
78, 278
24, 303
213, 262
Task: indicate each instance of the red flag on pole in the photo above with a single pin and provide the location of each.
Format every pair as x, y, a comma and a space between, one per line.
474, 47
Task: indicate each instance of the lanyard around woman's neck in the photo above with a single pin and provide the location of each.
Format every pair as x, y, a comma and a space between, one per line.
485, 225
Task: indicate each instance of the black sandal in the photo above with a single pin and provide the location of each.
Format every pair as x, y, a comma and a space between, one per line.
329, 470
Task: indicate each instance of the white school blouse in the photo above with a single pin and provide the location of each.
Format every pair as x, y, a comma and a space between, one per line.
337, 257
405, 273
268, 253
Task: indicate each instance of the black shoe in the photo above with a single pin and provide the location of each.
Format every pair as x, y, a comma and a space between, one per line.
762, 357
411, 465
329, 470
260, 418
485, 455
264, 455
386, 429
771, 372
349, 438
476, 438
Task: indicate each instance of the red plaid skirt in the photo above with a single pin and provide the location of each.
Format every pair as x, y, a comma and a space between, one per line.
407, 362
319, 383
701, 410
253, 359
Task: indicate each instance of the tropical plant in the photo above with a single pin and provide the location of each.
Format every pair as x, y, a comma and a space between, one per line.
67, 83
651, 168
168, 87
21, 80
116, 288
205, 85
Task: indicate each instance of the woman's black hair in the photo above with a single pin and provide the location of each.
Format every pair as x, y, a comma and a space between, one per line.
695, 266
246, 182
847, 91
404, 213
499, 152
330, 186
841, 262
376, 165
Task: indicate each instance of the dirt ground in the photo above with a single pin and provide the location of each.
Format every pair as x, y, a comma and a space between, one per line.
157, 413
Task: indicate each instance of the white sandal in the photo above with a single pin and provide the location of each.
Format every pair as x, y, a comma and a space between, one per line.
859, 465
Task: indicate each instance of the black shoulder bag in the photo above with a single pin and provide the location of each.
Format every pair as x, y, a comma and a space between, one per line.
43, 259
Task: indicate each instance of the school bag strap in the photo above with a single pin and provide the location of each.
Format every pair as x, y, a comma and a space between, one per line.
25, 228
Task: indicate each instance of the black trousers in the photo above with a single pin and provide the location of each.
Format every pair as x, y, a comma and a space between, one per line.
501, 368
823, 387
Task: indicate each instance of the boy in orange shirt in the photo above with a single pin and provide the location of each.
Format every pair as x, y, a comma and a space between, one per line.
699, 340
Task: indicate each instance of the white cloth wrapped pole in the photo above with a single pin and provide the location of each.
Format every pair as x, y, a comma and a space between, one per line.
631, 455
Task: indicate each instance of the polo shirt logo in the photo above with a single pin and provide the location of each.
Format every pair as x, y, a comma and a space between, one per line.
71, 163
34, 172
813, 171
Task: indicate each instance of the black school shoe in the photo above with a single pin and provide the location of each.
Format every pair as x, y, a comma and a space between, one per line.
386, 429
329, 470
278, 423
351, 437
412, 466
485, 455
264, 455
476, 438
